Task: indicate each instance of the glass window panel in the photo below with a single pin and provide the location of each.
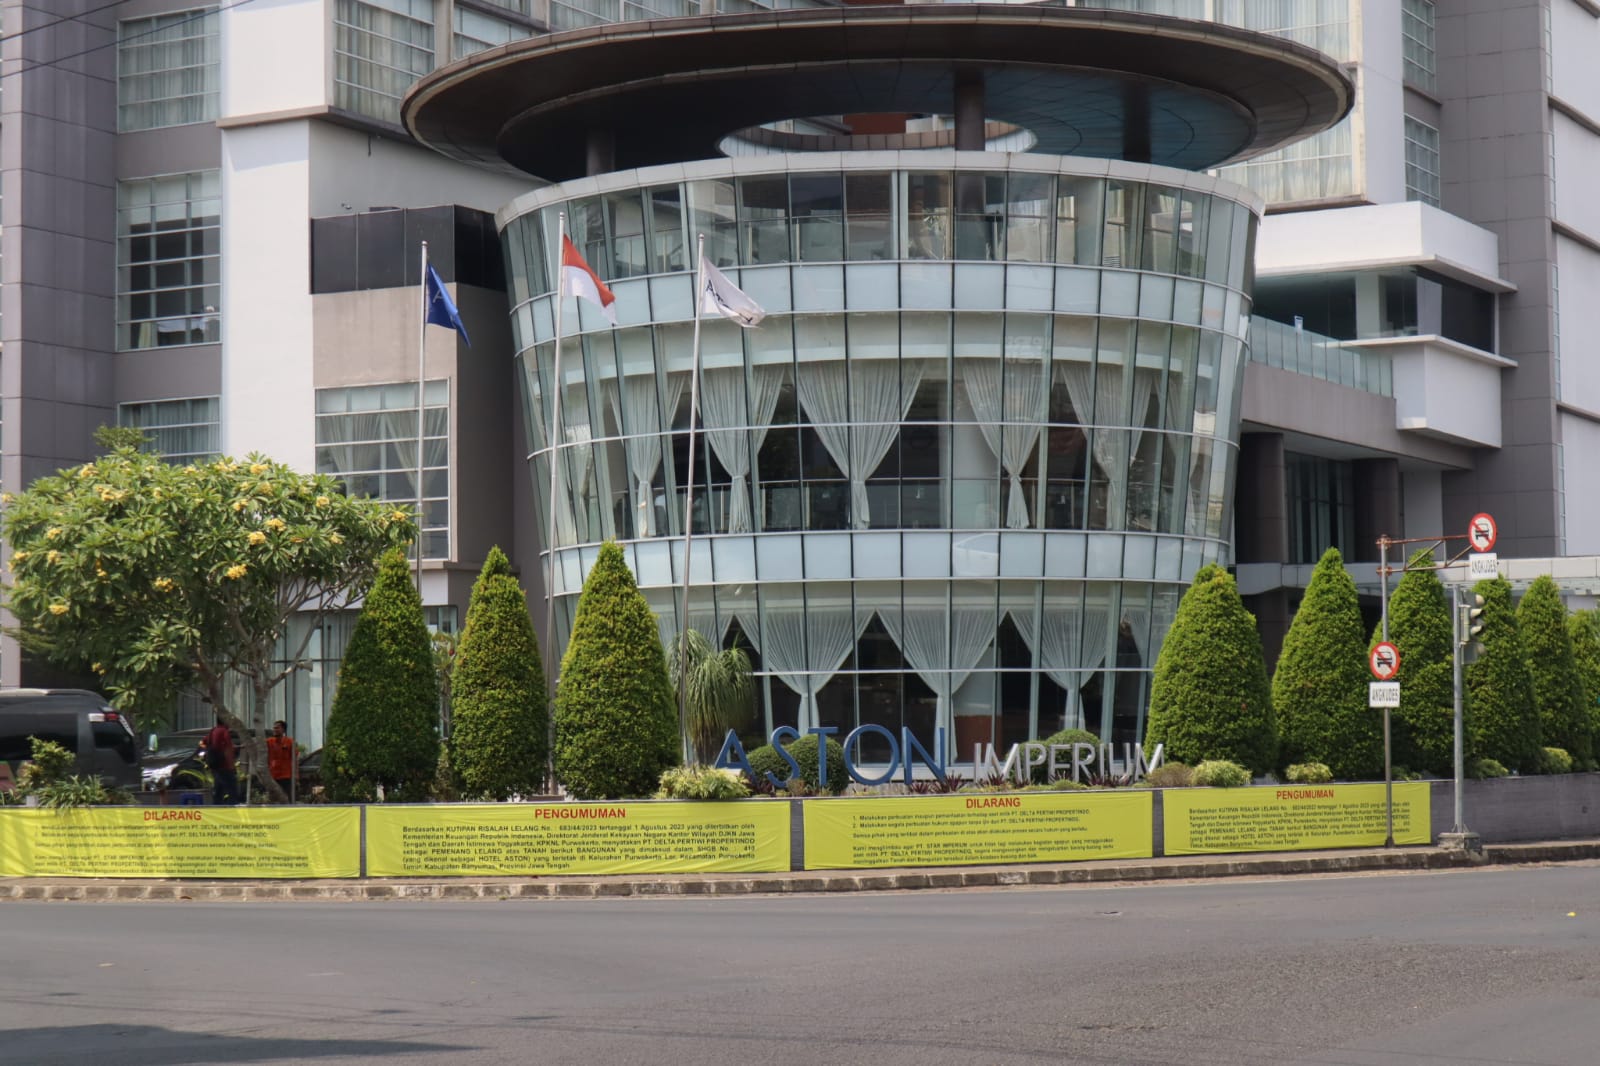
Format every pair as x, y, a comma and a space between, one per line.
869, 215
927, 216
980, 204
712, 211
665, 205
817, 202
168, 70
179, 431
377, 426
1079, 204
380, 49
764, 219
166, 290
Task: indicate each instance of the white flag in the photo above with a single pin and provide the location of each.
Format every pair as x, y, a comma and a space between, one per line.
720, 296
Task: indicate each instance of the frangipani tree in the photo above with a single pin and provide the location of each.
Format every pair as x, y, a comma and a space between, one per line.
159, 577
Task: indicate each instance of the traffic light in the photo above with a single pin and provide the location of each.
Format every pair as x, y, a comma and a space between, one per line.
1471, 629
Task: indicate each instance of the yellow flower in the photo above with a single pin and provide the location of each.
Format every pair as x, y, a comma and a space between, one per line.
397, 516
334, 538
98, 668
52, 533
238, 505
323, 501
17, 557
236, 571
258, 537
189, 469
87, 470
6, 497
258, 468
58, 608
264, 489
110, 495
52, 556
274, 524
297, 540
99, 572
163, 584
222, 466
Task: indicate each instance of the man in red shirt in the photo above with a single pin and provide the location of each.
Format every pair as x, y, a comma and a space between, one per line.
280, 757
219, 756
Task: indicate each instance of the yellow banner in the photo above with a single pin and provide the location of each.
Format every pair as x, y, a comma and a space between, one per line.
602, 837
843, 834
181, 842
1208, 821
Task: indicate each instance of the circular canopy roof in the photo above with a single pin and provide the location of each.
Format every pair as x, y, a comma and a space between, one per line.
1086, 82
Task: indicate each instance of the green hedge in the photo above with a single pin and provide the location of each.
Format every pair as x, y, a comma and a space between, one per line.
765, 759
1501, 716
500, 716
1209, 698
383, 726
1319, 690
616, 719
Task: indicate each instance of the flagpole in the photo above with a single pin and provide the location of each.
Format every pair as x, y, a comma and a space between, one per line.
688, 499
553, 661
422, 364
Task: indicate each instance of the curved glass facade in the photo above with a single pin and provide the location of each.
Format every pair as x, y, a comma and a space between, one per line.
960, 474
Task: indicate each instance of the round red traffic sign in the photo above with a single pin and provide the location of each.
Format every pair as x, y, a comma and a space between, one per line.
1383, 660
1482, 532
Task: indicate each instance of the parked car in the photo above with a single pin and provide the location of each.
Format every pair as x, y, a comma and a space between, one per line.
100, 736
175, 762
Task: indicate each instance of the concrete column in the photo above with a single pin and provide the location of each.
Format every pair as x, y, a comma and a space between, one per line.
1261, 509
600, 152
969, 106
1376, 483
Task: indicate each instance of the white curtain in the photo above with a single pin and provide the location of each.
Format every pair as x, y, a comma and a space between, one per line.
804, 647
1071, 641
722, 407
942, 646
1015, 392
702, 618
872, 396
1113, 447
638, 417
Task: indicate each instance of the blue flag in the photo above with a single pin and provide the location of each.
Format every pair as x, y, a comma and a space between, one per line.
441, 309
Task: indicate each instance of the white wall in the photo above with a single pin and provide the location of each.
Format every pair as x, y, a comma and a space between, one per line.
266, 293
356, 171
275, 56
1575, 44
1381, 131
1577, 161
1580, 443
1352, 238
1578, 274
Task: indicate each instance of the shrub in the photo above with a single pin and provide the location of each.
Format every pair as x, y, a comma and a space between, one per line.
1423, 728
1066, 784
1307, 773
1319, 689
49, 763
383, 727
500, 716
444, 788
1041, 773
1481, 768
78, 791
702, 783
1171, 775
1209, 697
1501, 717
765, 759
616, 719
1555, 761
1558, 689
1585, 634
1220, 773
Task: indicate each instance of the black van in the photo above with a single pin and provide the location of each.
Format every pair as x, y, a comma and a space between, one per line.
80, 721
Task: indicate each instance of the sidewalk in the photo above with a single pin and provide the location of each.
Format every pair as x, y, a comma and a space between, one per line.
1127, 871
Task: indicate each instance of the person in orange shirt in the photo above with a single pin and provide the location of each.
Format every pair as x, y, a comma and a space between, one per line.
280, 757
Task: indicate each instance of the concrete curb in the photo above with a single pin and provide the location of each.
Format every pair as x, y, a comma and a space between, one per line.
803, 883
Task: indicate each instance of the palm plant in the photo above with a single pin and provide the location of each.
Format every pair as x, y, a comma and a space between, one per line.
719, 693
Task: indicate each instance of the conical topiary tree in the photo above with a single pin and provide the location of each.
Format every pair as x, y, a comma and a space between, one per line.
1423, 728
616, 719
1319, 689
1585, 636
1501, 717
383, 727
1209, 698
1558, 689
500, 716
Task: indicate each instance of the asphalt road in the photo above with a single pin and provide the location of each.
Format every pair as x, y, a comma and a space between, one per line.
1500, 965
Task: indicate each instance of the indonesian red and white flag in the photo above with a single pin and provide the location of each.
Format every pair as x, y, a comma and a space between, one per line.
579, 279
